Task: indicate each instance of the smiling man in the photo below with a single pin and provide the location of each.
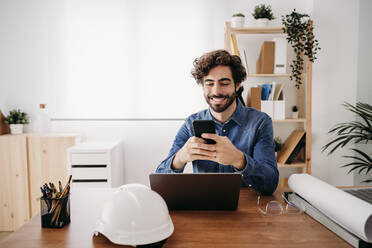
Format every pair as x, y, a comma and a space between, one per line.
244, 136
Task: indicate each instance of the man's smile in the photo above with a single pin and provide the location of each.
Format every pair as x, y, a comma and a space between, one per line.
218, 99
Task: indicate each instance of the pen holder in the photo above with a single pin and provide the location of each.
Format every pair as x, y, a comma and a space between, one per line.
55, 213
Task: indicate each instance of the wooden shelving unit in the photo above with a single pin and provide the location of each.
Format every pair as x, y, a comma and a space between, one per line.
255, 30
304, 92
294, 165
299, 120
268, 75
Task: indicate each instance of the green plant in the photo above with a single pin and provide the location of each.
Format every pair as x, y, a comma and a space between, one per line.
294, 108
278, 143
354, 132
263, 11
238, 15
16, 116
301, 37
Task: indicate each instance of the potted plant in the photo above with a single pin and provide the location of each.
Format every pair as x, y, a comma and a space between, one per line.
16, 119
294, 112
278, 144
357, 131
263, 14
300, 36
237, 20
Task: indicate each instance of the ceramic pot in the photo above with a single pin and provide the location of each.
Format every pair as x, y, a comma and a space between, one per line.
16, 128
294, 115
237, 22
262, 22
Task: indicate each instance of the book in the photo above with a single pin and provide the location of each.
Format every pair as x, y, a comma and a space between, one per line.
278, 94
246, 62
265, 93
296, 152
254, 98
235, 45
265, 62
272, 91
280, 58
290, 145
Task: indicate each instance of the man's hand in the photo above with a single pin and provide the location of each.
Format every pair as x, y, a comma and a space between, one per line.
194, 149
226, 152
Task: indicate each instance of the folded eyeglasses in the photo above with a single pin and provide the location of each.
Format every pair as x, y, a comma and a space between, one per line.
276, 208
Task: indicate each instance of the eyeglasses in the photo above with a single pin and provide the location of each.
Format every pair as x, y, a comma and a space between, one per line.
275, 208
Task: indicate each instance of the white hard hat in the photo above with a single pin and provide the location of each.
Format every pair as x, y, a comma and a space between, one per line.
135, 215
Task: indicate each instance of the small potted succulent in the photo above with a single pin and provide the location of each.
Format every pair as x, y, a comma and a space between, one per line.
263, 14
237, 20
278, 144
294, 112
16, 119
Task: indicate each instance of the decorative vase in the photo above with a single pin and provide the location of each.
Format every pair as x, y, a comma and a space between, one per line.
16, 128
262, 22
294, 115
42, 122
237, 22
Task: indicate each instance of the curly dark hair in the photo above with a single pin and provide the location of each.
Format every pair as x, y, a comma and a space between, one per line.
208, 61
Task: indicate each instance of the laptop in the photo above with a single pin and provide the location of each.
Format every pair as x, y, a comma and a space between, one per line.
202, 191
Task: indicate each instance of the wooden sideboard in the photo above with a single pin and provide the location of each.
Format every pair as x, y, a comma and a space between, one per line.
26, 162
14, 195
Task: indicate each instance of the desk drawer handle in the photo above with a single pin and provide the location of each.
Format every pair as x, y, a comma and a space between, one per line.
89, 166
89, 180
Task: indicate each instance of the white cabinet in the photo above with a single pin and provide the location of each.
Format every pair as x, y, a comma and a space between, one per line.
98, 164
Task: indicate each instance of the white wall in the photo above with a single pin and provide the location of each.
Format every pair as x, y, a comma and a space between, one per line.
364, 82
31, 74
334, 81
45, 62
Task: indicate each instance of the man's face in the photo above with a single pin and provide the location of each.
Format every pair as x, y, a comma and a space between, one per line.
219, 88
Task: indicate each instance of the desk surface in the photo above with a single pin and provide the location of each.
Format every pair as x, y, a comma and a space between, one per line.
245, 227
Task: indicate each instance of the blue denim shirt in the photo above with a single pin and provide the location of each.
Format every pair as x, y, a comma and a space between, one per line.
251, 132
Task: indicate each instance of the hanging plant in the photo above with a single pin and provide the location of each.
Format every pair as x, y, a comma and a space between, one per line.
301, 37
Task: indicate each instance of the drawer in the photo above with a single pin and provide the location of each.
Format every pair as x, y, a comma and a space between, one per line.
90, 173
90, 185
89, 158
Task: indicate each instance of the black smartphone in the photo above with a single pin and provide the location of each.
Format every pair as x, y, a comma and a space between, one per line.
204, 126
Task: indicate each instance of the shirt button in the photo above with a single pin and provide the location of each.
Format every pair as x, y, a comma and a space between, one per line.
249, 185
224, 130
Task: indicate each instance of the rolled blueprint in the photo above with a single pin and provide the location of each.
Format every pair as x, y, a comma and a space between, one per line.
348, 211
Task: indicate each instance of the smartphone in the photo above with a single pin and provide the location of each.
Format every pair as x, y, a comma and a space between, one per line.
204, 126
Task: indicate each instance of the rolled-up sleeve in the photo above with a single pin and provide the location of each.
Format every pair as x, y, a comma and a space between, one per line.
261, 170
181, 138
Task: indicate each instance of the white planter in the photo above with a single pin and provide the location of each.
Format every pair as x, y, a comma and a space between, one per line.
294, 115
16, 128
237, 22
262, 22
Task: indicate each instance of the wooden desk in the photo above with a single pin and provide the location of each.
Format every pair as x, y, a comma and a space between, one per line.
245, 227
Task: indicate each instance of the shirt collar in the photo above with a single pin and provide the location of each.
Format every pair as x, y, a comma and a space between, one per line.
236, 117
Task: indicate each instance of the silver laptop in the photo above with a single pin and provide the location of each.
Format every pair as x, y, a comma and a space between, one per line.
202, 191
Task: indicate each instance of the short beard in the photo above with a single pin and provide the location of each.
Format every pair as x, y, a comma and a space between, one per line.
220, 108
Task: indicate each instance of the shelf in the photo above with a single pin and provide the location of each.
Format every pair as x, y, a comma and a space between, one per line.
269, 75
304, 97
294, 165
257, 30
290, 120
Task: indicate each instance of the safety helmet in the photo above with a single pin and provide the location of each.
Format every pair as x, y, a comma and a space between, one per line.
135, 215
